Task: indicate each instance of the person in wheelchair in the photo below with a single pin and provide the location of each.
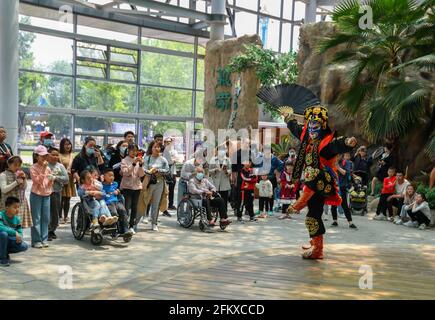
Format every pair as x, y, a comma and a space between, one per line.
91, 192
199, 186
114, 201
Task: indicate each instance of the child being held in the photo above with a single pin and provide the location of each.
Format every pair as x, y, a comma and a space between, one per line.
93, 195
265, 191
11, 233
116, 207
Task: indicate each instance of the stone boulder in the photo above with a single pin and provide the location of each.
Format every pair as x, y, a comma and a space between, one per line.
328, 81
218, 55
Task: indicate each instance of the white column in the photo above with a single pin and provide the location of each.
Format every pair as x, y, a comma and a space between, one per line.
310, 11
217, 27
9, 61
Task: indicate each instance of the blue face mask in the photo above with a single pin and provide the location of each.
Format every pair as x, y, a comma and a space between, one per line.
48, 142
199, 176
90, 151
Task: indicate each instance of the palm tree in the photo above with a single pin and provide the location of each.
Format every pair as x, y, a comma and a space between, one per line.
390, 78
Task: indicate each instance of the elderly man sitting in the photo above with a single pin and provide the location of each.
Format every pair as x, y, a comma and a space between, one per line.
198, 185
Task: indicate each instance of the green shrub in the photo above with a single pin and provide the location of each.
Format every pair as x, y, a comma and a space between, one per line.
430, 195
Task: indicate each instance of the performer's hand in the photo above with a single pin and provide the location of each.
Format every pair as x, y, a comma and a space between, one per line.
351, 142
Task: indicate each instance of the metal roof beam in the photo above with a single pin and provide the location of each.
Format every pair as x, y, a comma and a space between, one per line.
142, 21
170, 9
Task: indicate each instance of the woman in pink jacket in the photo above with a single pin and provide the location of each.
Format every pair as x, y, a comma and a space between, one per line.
132, 171
40, 197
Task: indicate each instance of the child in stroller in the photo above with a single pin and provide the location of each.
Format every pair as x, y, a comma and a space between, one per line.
115, 201
358, 193
91, 191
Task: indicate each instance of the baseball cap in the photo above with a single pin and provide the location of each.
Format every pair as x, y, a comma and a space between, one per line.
46, 134
41, 151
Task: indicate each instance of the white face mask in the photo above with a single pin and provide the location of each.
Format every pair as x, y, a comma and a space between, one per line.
222, 154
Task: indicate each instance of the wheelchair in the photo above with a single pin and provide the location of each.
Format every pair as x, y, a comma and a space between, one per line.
191, 208
81, 220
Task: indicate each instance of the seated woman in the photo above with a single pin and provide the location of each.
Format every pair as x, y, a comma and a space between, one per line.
93, 196
408, 199
199, 185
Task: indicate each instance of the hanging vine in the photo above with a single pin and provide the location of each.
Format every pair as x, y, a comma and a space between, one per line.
271, 68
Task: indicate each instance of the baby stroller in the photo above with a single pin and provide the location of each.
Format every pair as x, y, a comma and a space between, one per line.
358, 194
81, 220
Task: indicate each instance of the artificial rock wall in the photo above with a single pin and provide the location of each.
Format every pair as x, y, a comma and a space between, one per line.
217, 114
327, 81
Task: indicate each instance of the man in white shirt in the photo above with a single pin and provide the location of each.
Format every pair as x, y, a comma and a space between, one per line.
397, 198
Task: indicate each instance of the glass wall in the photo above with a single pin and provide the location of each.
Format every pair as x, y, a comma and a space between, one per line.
273, 20
83, 75
102, 78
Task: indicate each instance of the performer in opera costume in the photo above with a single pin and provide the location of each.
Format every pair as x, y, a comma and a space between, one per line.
316, 159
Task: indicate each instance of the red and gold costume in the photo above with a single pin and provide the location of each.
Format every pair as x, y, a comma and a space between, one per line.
316, 165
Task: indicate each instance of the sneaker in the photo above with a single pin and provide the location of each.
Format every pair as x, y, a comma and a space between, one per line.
52, 235
5, 263
45, 245
225, 222
155, 228
270, 213
166, 214
50, 238
240, 220
334, 224
127, 233
396, 219
262, 215
422, 226
37, 245
145, 220
95, 223
252, 219
131, 230
415, 224
410, 224
380, 217
391, 219
172, 208
352, 226
399, 222
257, 213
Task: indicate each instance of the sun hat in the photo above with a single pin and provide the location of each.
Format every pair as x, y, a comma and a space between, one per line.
41, 150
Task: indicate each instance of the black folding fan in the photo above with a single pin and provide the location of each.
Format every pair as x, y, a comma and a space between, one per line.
288, 98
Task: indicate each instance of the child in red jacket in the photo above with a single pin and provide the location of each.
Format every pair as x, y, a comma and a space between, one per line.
288, 189
387, 190
248, 186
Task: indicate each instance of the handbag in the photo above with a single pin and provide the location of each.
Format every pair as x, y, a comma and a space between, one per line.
169, 177
153, 177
